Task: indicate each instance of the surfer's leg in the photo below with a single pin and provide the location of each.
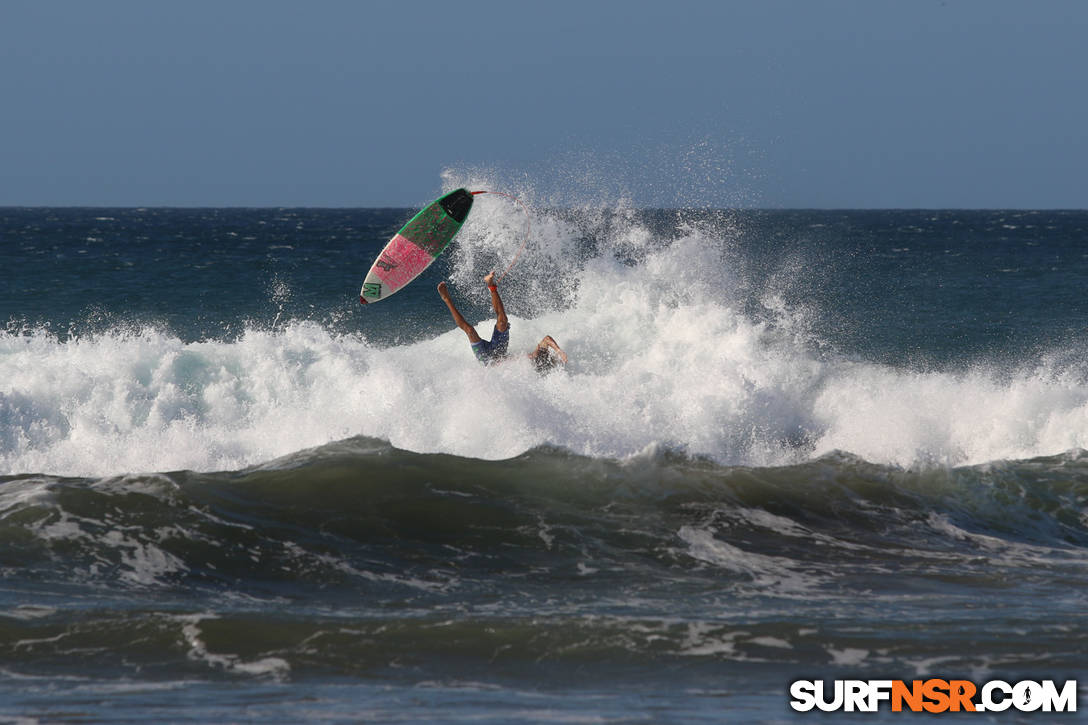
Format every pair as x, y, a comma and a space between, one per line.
501, 324
458, 319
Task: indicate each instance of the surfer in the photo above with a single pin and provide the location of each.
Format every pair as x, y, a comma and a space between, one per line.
543, 360
494, 350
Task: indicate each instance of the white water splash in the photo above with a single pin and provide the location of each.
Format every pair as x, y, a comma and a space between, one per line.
662, 354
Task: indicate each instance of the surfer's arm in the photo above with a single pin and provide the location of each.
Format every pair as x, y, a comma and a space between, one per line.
550, 342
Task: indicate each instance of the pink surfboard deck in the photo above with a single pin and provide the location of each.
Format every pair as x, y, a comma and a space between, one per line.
416, 246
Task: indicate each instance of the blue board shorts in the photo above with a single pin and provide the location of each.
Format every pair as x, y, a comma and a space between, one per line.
493, 350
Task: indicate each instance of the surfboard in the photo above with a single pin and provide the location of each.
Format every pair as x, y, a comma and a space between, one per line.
416, 245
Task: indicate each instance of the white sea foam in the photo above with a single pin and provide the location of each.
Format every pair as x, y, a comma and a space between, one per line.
274, 667
662, 353
779, 574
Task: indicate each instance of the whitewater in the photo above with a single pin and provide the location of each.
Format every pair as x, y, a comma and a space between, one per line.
665, 352
796, 443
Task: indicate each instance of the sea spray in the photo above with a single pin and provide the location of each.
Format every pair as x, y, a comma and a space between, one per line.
787, 444
665, 350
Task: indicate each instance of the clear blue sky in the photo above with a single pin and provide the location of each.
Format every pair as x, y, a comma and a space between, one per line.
871, 103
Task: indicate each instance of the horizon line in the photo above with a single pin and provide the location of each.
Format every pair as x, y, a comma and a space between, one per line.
196, 207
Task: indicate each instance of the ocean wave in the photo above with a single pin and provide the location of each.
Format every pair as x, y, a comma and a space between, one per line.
360, 559
671, 342
695, 377
360, 517
239, 646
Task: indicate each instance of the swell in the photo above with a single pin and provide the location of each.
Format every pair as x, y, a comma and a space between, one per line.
360, 518
164, 645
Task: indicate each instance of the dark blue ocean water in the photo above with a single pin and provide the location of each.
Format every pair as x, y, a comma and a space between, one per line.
788, 444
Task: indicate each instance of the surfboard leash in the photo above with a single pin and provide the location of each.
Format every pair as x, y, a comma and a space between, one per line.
528, 228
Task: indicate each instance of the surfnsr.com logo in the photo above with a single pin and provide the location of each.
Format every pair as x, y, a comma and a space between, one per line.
934, 695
